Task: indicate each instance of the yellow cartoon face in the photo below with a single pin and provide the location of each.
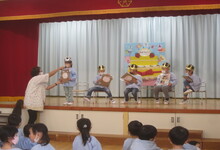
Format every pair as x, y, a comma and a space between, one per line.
144, 52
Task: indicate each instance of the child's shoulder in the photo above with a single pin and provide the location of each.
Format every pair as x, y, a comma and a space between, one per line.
129, 141
46, 147
15, 149
94, 139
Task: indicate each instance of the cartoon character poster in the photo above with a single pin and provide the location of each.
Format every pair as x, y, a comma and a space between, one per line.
148, 57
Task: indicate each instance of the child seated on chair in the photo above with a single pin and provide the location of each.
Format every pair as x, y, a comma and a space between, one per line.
133, 87
191, 83
178, 137
98, 86
164, 83
146, 141
134, 129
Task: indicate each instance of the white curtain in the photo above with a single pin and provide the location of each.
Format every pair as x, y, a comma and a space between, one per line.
189, 39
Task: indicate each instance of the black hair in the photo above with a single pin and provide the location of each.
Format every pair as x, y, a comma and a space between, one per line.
178, 135
147, 132
134, 127
7, 132
35, 71
14, 120
40, 127
26, 129
193, 142
84, 126
18, 107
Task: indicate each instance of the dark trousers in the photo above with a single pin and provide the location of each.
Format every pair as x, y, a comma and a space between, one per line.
95, 88
187, 86
134, 92
32, 116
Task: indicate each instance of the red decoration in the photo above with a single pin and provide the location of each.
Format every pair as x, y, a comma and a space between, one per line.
137, 55
152, 55
148, 72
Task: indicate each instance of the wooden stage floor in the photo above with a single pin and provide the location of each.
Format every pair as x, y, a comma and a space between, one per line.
147, 105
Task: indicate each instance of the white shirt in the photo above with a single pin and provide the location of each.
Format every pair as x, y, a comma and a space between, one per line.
35, 93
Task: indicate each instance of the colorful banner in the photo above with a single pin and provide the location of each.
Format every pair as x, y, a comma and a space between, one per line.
148, 57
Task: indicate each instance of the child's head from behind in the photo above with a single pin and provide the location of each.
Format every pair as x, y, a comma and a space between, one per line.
19, 103
147, 132
39, 134
14, 120
8, 134
84, 126
178, 135
26, 130
134, 127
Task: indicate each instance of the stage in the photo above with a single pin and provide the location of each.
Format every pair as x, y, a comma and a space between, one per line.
147, 105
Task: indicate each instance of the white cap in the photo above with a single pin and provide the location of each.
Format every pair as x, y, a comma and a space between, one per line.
67, 59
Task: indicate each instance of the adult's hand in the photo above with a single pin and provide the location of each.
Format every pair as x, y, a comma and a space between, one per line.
55, 71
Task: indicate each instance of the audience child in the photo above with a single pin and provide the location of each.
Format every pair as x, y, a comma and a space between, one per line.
178, 137
39, 135
18, 108
24, 141
15, 121
133, 128
146, 139
9, 137
84, 141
